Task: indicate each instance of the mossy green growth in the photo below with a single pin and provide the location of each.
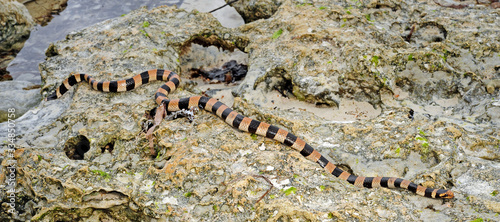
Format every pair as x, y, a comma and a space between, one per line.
425, 143
102, 174
297, 94
277, 34
375, 60
290, 191
494, 193
421, 132
410, 57
330, 215
368, 17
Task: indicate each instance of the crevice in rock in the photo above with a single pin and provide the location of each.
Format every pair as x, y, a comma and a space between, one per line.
103, 195
208, 55
382, 6
109, 147
284, 87
322, 104
431, 32
229, 72
209, 39
278, 79
76, 147
106, 212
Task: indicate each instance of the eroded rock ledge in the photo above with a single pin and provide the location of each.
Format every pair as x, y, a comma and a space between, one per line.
351, 75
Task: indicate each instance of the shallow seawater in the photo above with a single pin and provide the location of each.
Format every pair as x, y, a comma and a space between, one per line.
83, 13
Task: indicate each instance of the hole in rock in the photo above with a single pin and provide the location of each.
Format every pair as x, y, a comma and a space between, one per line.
212, 56
430, 207
103, 195
76, 147
109, 147
214, 59
322, 105
207, 40
284, 87
230, 72
279, 80
430, 32
497, 68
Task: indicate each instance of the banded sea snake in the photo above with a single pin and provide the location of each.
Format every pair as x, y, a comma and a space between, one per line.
242, 123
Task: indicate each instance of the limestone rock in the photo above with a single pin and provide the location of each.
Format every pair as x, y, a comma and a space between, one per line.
18, 95
345, 76
252, 10
15, 24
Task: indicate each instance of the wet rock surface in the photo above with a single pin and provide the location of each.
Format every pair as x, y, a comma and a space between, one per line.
27, 96
17, 21
343, 76
15, 25
42, 10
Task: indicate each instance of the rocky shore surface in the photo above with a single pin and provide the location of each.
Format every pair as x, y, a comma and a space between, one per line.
382, 88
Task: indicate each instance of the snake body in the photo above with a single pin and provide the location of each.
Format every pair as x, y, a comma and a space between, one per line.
242, 123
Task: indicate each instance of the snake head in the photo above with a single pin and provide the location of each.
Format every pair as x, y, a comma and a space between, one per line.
447, 195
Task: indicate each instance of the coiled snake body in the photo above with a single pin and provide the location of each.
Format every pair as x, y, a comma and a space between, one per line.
242, 123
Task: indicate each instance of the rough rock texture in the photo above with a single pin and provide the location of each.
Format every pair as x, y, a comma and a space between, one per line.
252, 10
15, 26
26, 96
42, 10
15, 23
350, 57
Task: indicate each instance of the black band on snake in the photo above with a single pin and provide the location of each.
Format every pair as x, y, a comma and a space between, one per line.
242, 123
